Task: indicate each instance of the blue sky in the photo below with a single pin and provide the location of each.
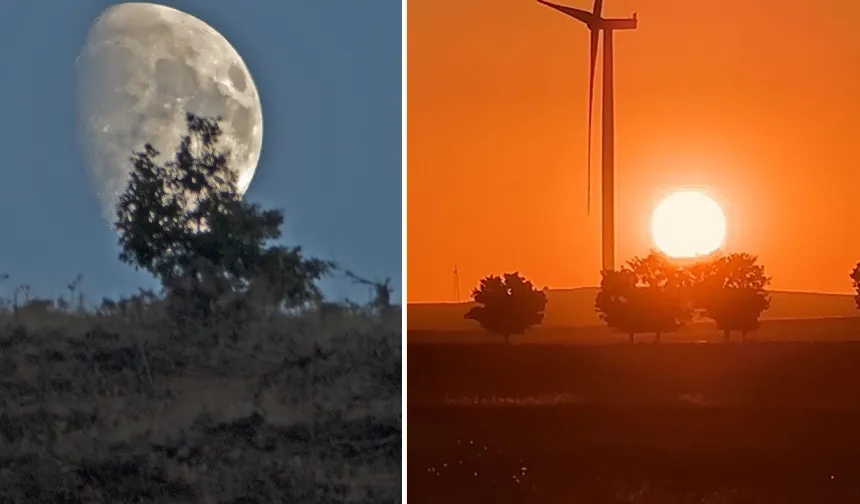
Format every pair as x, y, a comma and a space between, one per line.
329, 77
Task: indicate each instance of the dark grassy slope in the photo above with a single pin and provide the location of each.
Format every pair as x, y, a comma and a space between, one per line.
756, 422
575, 307
300, 409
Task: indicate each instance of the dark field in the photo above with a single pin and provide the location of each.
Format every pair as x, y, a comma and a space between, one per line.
816, 329
678, 422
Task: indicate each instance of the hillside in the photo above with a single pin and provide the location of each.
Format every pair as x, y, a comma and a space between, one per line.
575, 307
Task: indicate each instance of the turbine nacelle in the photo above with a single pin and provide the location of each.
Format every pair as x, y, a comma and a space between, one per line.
619, 23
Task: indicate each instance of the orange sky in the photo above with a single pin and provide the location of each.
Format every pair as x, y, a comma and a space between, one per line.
757, 102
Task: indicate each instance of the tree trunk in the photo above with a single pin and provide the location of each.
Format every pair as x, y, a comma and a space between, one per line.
727, 334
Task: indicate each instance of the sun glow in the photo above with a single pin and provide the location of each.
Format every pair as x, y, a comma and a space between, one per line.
688, 224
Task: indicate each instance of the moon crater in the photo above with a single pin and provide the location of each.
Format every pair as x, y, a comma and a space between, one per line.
143, 67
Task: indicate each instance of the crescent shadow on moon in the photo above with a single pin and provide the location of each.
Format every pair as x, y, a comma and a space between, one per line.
142, 68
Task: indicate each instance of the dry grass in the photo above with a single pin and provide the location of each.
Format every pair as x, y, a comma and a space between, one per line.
97, 408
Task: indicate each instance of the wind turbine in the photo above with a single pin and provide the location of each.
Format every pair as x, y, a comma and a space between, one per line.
595, 23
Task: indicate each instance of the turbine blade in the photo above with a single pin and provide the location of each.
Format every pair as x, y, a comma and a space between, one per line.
598, 7
595, 34
582, 15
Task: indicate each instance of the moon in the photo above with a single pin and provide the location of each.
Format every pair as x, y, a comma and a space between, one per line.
142, 68
688, 224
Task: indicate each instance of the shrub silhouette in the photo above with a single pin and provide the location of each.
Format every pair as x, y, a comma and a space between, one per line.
382, 291
185, 223
730, 290
645, 295
855, 282
507, 306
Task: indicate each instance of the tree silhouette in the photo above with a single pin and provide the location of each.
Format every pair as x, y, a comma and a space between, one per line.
185, 222
619, 302
507, 305
730, 290
855, 281
645, 295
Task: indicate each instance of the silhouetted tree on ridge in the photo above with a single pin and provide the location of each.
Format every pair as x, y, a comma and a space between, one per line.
185, 223
730, 290
382, 291
645, 295
507, 305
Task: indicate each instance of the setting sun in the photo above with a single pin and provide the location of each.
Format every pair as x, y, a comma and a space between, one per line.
688, 224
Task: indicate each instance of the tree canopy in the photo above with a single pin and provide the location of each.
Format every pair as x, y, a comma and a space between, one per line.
655, 294
507, 305
730, 290
185, 222
644, 296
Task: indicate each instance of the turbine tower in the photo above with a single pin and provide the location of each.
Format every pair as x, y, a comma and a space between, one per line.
595, 23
